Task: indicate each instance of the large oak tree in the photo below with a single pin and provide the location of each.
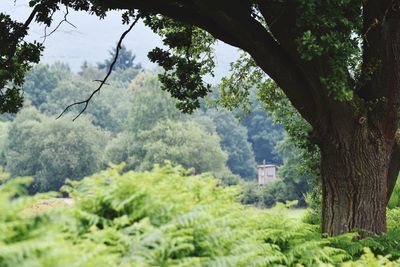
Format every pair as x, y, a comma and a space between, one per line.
338, 62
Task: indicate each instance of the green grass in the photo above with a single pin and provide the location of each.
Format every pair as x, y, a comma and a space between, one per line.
46, 204
296, 213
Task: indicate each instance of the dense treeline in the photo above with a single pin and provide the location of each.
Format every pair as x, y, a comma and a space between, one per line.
133, 121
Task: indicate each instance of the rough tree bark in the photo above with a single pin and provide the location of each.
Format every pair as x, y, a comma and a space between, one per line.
354, 168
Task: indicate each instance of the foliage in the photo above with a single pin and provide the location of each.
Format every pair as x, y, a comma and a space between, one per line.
40, 82
234, 141
301, 155
164, 218
189, 53
295, 179
394, 201
390, 242
324, 32
118, 77
251, 193
188, 59
262, 132
109, 110
3, 138
326, 55
275, 192
263, 128
263, 135
183, 143
16, 58
314, 206
149, 104
50, 88
124, 61
227, 178
52, 151
42, 239
268, 97
17, 55
300, 158
129, 112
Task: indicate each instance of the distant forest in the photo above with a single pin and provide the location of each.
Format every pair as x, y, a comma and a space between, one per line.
133, 121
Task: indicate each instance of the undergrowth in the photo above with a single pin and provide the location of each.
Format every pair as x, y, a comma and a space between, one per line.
167, 217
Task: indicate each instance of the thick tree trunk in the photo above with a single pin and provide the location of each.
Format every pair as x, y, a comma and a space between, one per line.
354, 169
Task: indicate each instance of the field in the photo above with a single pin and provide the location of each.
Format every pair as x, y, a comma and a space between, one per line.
296, 213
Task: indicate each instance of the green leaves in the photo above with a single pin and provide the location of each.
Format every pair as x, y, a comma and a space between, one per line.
52, 150
188, 59
308, 46
125, 60
165, 217
184, 143
16, 58
331, 31
394, 201
235, 89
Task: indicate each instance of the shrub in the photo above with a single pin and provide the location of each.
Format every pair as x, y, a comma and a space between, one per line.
166, 218
52, 150
394, 201
251, 193
42, 239
314, 206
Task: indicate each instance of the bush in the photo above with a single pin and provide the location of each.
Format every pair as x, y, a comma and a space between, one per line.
184, 143
314, 206
46, 239
394, 201
52, 150
3, 138
166, 218
251, 193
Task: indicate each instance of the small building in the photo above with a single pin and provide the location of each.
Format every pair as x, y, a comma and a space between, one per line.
266, 173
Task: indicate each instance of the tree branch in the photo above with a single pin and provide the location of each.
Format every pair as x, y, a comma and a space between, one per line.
381, 37
31, 17
86, 102
21, 33
282, 20
58, 25
229, 22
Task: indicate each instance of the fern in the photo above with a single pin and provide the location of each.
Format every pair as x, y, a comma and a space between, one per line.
168, 217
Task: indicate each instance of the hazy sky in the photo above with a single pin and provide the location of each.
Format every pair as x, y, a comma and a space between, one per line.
92, 38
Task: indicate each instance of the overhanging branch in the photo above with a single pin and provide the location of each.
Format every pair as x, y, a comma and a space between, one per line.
232, 22
65, 19
381, 37
102, 82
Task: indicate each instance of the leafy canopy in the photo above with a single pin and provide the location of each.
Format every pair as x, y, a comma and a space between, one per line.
52, 150
322, 32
